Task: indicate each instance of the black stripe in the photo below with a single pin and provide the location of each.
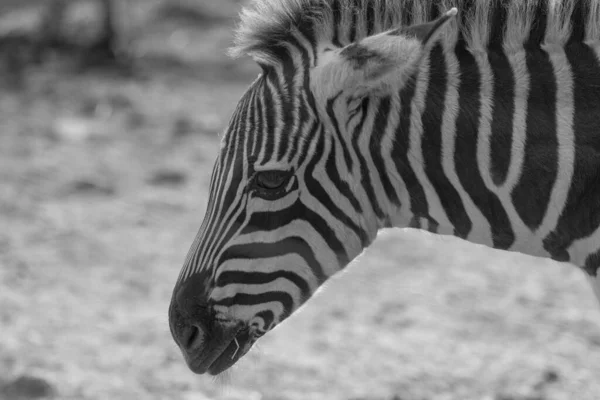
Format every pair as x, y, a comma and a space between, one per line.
580, 218
352, 32
498, 22
270, 123
306, 97
370, 18
316, 190
260, 278
431, 144
221, 193
251, 121
271, 220
364, 169
328, 234
388, 19
307, 94
465, 14
194, 253
465, 152
308, 31
415, 222
223, 164
578, 22
531, 195
407, 13
538, 26
592, 263
434, 11
260, 121
232, 188
418, 200
307, 140
432, 226
381, 121
337, 15
268, 317
303, 121
244, 299
289, 245
336, 129
289, 113
225, 193
503, 109
286, 94
191, 295
221, 236
340, 183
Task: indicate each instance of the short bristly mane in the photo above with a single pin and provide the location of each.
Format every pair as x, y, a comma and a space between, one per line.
265, 24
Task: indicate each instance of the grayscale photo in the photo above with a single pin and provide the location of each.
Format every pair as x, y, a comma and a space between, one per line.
300, 199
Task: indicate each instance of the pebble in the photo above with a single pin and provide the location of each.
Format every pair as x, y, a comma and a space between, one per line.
27, 387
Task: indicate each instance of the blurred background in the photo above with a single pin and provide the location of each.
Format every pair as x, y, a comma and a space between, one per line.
110, 116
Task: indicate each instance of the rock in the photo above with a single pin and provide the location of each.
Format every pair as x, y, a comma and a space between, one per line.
119, 102
27, 387
72, 129
551, 376
135, 119
88, 106
182, 127
167, 177
90, 186
80, 129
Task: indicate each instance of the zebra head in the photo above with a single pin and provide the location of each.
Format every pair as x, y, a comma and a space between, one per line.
288, 206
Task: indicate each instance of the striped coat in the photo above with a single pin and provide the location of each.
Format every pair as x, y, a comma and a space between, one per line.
472, 119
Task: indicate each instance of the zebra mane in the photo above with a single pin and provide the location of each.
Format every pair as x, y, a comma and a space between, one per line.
268, 24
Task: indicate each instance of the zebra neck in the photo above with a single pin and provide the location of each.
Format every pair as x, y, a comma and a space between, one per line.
486, 146
454, 175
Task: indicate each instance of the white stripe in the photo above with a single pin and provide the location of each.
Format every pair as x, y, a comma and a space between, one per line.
369, 217
247, 313
300, 228
565, 136
524, 242
402, 215
481, 229
364, 147
278, 285
218, 228
485, 119
415, 155
291, 262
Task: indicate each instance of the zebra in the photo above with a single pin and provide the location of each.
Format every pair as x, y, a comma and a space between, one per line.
472, 119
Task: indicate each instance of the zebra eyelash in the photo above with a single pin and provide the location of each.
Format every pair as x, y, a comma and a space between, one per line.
287, 185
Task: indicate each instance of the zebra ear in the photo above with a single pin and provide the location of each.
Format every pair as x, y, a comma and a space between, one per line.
383, 60
428, 31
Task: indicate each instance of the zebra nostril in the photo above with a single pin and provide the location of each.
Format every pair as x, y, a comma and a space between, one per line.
192, 338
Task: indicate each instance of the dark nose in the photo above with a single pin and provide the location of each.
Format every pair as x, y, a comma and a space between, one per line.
188, 335
189, 315
207, 345
193, 331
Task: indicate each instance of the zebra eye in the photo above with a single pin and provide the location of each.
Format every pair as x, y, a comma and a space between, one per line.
271, 180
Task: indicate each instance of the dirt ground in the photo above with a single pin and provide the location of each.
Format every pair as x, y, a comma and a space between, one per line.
103, 184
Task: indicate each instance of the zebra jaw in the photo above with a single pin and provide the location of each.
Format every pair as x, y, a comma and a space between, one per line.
216, 352
210, 343
236, 349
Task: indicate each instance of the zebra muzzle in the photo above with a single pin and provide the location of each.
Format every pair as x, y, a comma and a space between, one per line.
207, 344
